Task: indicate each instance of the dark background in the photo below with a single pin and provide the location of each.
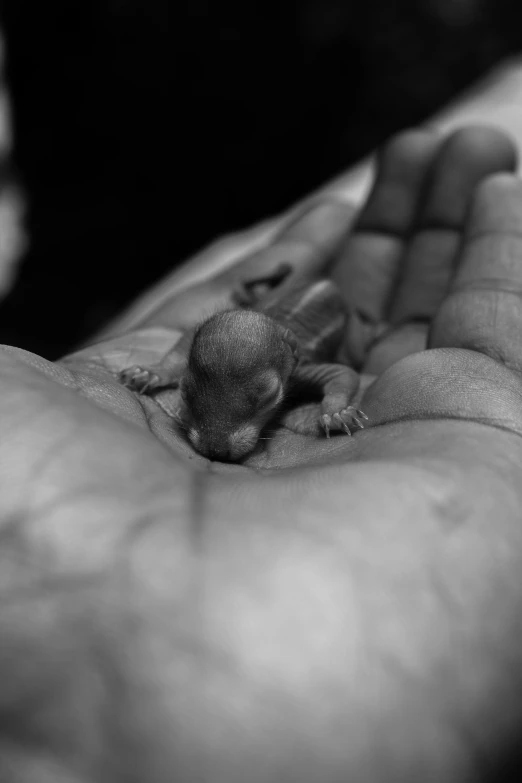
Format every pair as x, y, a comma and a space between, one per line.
145, 128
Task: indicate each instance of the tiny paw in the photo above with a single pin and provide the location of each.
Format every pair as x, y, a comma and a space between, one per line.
343, 419
139, 379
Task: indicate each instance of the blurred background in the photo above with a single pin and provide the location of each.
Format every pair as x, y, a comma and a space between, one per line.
143, 129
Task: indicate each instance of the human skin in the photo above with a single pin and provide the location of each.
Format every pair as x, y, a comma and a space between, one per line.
333, 610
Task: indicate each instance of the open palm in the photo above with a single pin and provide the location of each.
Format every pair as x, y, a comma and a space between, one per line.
307, 613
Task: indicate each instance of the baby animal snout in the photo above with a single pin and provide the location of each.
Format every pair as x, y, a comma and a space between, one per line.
223, 447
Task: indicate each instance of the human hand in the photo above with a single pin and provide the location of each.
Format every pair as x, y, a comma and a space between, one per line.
347, 610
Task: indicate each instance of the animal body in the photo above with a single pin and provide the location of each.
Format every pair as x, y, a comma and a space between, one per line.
242, 365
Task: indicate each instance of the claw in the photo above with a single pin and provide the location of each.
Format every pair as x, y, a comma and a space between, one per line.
326, 422
339, 419
343, 420
137, 379
353, 414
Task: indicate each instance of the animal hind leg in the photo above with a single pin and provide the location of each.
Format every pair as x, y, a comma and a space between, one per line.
152, 378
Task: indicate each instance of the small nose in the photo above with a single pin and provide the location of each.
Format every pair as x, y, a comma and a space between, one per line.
218, 452
227, 451
210, 447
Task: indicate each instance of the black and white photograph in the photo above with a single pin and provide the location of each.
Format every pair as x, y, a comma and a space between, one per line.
260, 391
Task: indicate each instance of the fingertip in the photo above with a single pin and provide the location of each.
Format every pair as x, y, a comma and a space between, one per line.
407, 147
496, 206
402, 165
487, 144
466, 157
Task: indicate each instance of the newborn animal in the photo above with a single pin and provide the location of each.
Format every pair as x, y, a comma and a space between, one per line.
243, 365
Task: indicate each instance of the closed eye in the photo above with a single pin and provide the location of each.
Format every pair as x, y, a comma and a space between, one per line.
270, 403
268, 391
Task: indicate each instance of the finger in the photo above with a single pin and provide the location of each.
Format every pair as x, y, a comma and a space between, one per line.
483, 309
465, 158
462, 161
368, 266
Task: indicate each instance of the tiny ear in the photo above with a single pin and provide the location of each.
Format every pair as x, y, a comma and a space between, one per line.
291, 340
